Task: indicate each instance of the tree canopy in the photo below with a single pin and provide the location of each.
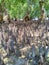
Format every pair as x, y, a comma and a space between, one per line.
19, 8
